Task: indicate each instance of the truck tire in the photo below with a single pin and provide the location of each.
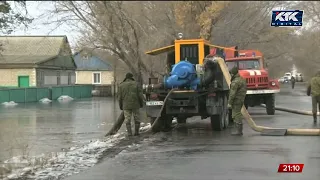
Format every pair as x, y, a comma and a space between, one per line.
230, 116
270, 104
182, 120
164, 124
167, 120
225, 112
218, 121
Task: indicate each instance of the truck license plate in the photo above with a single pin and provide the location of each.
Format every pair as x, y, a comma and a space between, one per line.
258, 92
154, 103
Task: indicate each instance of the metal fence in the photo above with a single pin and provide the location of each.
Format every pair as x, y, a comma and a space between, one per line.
34, 94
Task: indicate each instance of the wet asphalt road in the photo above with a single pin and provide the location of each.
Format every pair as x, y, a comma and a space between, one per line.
194, 152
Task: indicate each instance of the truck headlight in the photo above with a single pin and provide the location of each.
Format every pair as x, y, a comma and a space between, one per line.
273, 83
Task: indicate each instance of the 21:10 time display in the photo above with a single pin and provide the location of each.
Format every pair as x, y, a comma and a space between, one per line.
290, 168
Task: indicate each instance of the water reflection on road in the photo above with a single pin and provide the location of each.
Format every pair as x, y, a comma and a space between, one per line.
34, 128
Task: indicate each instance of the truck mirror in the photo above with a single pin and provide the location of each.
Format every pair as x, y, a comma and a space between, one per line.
267, 64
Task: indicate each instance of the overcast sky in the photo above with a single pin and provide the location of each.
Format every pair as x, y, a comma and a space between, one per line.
35, 9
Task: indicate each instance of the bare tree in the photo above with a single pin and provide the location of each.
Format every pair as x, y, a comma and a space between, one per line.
128, 29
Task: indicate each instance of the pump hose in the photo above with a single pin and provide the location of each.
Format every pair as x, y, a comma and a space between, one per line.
160, 112
246, 115
295, 111
116, 126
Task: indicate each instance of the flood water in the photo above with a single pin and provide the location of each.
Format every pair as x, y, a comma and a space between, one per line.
34, 128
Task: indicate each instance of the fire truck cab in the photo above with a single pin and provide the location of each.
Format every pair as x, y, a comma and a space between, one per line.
261, 88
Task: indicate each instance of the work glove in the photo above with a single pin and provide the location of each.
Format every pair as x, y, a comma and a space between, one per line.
229, 106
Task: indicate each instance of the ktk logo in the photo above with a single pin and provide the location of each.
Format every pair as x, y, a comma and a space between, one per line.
286, 16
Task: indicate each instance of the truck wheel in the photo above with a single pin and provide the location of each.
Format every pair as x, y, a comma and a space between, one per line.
167, 120
230, 116
225, 112
217, 121
270, 105
182, 120
247, 106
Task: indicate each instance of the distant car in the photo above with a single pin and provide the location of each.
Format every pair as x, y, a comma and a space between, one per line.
281, 80
286, 79
299, 77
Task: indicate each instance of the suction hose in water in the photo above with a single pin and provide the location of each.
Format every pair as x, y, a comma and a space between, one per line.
117, 125
252, 124
159, 114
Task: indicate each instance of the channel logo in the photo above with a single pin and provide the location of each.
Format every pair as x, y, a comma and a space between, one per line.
286, 18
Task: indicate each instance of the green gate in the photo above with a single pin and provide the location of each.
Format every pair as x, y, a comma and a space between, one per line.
23, 81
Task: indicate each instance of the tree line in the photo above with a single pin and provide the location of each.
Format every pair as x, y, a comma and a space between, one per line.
126, 30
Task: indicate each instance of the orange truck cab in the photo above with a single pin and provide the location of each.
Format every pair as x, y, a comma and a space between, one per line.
261, 88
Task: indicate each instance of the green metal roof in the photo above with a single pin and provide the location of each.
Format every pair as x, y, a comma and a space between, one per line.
29, 49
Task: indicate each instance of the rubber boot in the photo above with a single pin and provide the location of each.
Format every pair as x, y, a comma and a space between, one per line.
315, 118
129, 130
237, 129
136, 128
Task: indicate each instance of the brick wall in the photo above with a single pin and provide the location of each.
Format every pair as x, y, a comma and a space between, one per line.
86, 77
9, 77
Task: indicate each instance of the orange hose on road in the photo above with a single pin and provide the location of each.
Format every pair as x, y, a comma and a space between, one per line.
295, 111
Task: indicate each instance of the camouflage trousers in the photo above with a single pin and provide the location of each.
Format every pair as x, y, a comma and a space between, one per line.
236, 113
315, 103
128, 113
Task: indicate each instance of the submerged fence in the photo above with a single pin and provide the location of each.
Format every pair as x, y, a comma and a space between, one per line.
34, 94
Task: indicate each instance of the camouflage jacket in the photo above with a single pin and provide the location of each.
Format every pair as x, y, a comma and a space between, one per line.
130, 95
238, 90
314, 86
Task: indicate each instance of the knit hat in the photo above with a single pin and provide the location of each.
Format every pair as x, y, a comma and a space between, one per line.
234, 70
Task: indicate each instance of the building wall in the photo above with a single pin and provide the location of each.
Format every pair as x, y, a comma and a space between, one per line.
9, 77
48, 77
86, 77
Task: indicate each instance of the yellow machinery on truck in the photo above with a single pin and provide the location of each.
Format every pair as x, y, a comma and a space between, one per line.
202, 88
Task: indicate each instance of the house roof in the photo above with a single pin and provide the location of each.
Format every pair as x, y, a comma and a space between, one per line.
29, 49
92, 63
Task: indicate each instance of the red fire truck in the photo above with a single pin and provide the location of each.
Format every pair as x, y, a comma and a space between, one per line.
261, 88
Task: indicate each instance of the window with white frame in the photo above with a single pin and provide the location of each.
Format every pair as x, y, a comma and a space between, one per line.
96, 78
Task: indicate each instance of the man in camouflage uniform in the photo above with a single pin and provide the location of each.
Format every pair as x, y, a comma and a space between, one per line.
238, 90
314, 91
130, 99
